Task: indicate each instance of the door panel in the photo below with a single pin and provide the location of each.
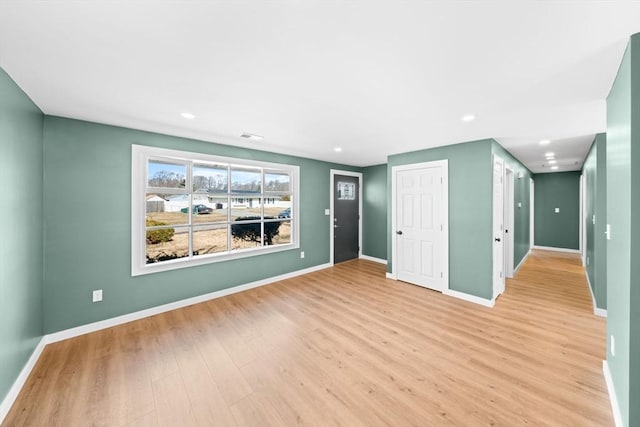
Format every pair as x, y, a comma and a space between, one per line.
420, 233
346, 215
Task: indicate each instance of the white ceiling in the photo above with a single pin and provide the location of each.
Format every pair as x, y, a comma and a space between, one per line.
372, 77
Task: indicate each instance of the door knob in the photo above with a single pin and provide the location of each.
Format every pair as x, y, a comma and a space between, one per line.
399, 232
497, 239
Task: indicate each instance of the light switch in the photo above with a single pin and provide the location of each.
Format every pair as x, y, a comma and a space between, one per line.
557, 210
519, 205
327, 211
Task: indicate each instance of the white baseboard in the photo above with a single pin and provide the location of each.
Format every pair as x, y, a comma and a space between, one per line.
12, 395
391, 276
374, 259
524, 258
551, 248
597, 311
615, 408
471, 298
130, 317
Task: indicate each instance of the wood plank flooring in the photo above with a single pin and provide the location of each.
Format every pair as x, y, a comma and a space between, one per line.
341, 346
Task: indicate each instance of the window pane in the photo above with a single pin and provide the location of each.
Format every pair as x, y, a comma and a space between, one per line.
161, 211
277, 181
210, 240
246, 235
210, 178
167, 243
245, 208
164, 174
277, 207
281, 235
210, 209
246, 180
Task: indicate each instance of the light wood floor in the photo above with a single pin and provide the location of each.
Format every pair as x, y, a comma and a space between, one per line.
342, 346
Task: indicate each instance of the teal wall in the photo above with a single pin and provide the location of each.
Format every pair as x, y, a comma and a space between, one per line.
623, 250
21, 218
557, 190
87, 223
521, 190
374, 221
595, 173
470, 221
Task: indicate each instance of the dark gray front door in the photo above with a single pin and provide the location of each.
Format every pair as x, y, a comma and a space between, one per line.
346, 215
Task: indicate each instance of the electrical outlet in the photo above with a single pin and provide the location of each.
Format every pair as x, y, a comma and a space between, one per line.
587, 260
557, 210
97, 295
301, 254
327, 211
613, 346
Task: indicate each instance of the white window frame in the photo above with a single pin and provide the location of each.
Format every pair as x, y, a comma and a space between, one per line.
140, 154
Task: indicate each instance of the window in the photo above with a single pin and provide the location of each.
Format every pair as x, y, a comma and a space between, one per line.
191, 209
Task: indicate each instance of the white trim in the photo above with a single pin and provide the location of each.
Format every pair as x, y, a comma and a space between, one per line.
532, 193
444, 164
139, 156
14, 391
615, 407
551, 248
509, 220
515, 270
597, 311
471, 298
130, 317
497, 236
374, 259
332, 174
390, 276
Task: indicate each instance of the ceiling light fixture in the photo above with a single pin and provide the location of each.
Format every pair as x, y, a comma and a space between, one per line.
251, 136
468, 118
549, 154
554, 167
552, 162
338, 150
188, 116
544, 142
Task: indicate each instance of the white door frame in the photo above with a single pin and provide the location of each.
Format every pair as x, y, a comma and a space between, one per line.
498, 281
444, 164
332, 174
583, 218
531, 213
509, 194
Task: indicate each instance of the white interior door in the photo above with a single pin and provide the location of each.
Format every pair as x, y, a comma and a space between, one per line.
498, 229
421, 234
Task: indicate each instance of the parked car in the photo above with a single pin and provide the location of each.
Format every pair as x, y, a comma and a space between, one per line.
285, 213
198, 209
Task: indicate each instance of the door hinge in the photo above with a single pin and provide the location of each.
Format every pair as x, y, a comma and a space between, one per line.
501, 274
441, 180
441, 228
441, 275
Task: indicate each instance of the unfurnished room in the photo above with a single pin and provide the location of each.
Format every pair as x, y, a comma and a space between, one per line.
348, 213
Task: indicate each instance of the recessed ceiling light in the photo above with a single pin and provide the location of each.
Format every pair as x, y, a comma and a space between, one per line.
552, 162
549, 154
188, 116
251, 136
544, 142
337, 149
554, 167
468, 118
